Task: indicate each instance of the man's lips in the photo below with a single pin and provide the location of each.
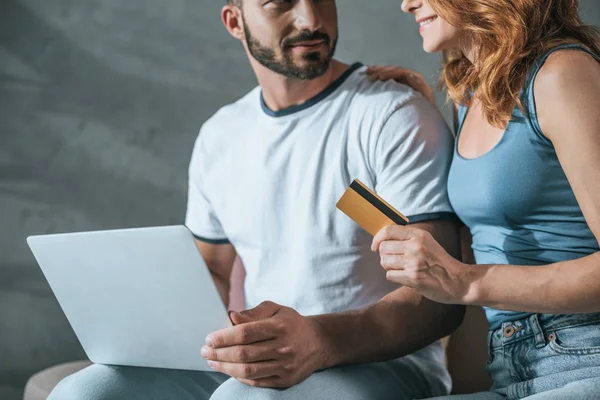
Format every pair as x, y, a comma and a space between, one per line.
311, 43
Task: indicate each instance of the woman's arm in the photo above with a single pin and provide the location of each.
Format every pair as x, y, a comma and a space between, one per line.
571, 121
567, 92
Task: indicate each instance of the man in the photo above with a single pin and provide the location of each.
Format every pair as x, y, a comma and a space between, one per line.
265, 175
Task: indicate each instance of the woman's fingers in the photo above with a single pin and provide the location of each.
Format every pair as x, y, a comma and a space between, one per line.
375, 68
390, 233
407, 263
392, 72
404, 76
401, 75
384, 73
399, 277
394, 247
393, 262
375, 74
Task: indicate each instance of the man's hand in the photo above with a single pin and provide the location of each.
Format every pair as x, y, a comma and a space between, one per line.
269, 346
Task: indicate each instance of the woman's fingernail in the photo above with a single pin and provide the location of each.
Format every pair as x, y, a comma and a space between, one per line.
411, 76
204, 352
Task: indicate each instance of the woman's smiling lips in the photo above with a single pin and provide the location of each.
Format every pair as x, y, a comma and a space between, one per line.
425, 22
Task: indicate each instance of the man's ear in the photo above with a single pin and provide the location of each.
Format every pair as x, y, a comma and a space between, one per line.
232, 19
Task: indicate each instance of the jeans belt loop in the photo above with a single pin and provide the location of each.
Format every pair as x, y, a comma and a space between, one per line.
540, 339
490, 345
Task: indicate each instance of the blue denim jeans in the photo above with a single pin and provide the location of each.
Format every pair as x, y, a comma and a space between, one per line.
544, 357
407, 378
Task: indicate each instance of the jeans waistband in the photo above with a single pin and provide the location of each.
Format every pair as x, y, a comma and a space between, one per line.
537, 325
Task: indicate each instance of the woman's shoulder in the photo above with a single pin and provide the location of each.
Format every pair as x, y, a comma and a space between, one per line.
567, 85
565, 67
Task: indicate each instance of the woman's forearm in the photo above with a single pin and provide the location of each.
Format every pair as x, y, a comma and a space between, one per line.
569, 287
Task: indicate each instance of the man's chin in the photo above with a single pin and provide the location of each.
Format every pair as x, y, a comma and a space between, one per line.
305, 67
311, 61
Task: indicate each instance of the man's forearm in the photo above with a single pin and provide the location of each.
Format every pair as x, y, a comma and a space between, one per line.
219, 259
401, 323
223, 284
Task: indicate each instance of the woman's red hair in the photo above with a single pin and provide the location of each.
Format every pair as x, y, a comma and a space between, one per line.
508, 35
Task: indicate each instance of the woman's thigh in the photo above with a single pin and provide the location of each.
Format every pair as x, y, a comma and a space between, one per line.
587, 389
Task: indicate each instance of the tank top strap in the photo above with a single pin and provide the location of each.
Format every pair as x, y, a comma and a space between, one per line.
527, 94
461, 115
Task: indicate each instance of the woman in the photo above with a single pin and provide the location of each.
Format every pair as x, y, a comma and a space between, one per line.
526, 180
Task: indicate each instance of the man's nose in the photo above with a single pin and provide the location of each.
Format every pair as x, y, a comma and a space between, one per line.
410, 6
307, 16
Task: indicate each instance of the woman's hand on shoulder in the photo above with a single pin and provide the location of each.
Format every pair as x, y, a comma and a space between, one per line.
404, 76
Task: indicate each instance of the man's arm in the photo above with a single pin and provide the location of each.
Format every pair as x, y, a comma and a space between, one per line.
274, 346
219, 258
397, 325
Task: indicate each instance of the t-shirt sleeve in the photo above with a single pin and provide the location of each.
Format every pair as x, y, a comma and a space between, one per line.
412, 160
201, 218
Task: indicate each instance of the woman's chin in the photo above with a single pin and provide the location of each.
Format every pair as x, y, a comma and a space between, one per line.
429, 48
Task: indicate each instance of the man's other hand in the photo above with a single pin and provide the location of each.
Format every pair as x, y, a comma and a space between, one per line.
269, 346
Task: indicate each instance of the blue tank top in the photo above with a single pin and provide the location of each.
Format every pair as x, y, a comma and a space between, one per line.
516, 198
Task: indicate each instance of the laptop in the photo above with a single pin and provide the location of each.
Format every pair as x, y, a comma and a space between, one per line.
135, 297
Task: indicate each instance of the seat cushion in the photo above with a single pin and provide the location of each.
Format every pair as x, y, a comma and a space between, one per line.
41, 384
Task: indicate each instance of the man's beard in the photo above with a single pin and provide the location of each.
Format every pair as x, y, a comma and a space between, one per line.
316, 65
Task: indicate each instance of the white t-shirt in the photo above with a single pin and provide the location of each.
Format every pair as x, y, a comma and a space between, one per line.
268, 182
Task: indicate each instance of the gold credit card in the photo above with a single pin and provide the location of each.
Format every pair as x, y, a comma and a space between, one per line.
369, 210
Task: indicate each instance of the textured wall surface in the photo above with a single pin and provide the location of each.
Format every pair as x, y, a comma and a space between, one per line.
100, 102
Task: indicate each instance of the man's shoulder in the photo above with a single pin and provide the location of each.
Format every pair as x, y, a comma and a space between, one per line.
376, 104
220, 130
230, 115
384, 98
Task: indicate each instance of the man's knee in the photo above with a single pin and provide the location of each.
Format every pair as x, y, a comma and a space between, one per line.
234, 389
97, 382
324, 385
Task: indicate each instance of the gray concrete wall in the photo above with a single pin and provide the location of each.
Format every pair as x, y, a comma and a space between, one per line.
100, 102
